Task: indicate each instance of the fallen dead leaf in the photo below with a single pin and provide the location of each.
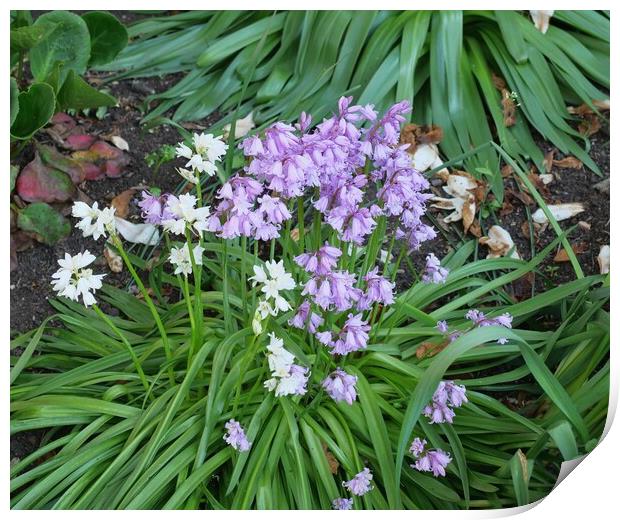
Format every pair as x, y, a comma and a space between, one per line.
584, 225
507, 170
603, 104
331, 460
541, 19
509, 109
114, 260
589, 126
295, 234
559, 212
120, 143
499, 243
562, 255
430, 349
548, 160
121, 202
568, 162
525, 229
603, 259
414, 135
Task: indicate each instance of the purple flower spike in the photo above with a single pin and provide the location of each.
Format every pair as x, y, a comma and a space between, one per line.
341, 386
343, 504
480, 320
360, 484
235, 436
442, 326
431, 460
301, 321
320, 262
352, 337
378, 289
447, 396
417, 446
433, 272
154, 209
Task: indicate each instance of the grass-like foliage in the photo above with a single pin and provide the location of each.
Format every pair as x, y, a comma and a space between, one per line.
138, 394
443, 62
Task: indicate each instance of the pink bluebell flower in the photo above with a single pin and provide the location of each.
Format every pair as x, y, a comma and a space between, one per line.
235, 436
360, 484
341, 386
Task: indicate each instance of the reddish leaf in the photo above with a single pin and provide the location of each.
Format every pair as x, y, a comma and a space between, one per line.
104, 160
39, 183
54, 159
79, 141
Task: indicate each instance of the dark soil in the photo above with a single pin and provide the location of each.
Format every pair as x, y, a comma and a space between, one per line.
30, 282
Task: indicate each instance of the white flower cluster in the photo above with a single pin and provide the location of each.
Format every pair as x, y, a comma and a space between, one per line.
73, 280
94, 222
287, 378
207, 151
274, 279
180, 258
185, 213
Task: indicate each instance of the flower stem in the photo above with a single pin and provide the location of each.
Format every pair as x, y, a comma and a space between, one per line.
160, 326
125, 341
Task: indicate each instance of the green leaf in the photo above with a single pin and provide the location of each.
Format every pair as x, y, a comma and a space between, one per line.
36, 107
45, 221
68, 43
77, 94
25, 38
108, 36
14, 173
14, 101
562, 435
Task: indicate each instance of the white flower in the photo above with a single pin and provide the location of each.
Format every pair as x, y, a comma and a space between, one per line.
94, 222
180, 258
186, 213
280, 359
274, 280
257, 328
188, 175
211, 148
198, 163
73, 281
184, 151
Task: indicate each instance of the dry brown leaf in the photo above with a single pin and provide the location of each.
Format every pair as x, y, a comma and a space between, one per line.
562, 254
521, 196
331, 460
507, 170
507, 208
509, 109
525, 229
413, 135
603, 104
475, 229
295, 234
499, 83
114, 260
568, 162
548, 160
499, 243
559, 212
121, 202
430, 349
603, 259
589, 126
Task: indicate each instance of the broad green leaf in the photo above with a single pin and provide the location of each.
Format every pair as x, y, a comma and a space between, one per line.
68, 43
75, 93
14, 101
45, 221
108, 36
36, 107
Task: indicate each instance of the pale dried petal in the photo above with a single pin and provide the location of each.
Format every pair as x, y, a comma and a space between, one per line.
546, 178
541, 19
459, 185
147, 234
499, 243
114, 260
603, 259
242, 127
559, 211
425, 156
119, 142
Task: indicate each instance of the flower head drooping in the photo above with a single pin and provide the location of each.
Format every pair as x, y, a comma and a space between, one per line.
442, 326
360, 484
480, 320
154, 208
94, 222
274, 279
434, 461
447, 396
320, 262
287, 377
235, 436
180, 258
73, 280
433, 272
207, 151
352, 337
343, 504
306, 319
378, 289
184, 213
341, 386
